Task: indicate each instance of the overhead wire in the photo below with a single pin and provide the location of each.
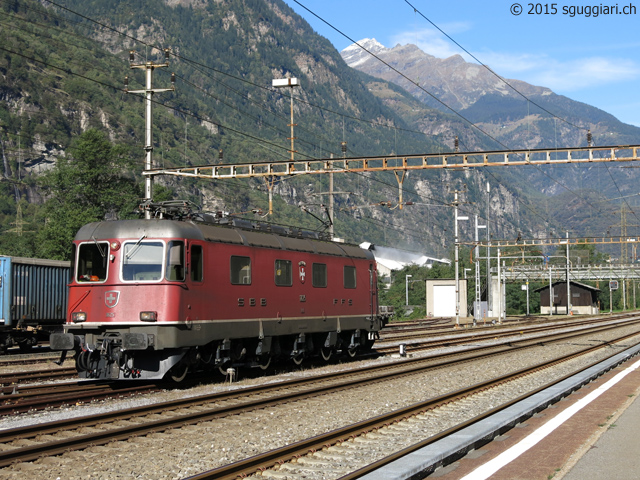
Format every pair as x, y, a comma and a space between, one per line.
235, 77
183, 112
491, 71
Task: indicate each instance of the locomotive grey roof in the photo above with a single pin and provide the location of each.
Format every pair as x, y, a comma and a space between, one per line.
160, 228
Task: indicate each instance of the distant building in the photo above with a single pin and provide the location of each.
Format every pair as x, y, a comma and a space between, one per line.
441, 297
584, 298
389, 259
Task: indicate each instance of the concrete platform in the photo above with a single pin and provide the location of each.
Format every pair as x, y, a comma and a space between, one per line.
544, 458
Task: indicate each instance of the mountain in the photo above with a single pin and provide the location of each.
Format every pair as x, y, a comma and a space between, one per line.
452, 80
502, 118
62, 72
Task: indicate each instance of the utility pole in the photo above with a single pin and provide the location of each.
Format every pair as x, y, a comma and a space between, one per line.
568, 280
280, 83
457, 248
149, 67
550, 290
489, 302
476, 309
498, 304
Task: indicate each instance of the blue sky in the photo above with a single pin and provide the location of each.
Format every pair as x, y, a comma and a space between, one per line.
592, 59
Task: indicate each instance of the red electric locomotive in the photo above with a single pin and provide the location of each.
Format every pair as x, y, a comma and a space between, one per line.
155, 298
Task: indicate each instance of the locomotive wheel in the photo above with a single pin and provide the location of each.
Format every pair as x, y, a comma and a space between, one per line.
264, 362
326, 353
352, 352
179, 372
207, 356
298, 359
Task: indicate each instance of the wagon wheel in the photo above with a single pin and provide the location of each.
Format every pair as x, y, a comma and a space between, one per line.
298, 359
326, 353
352, 352
179, 372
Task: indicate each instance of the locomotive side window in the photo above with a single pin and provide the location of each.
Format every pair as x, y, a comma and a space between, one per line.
196, 263
349, 276
284, 276
92, 262
319, 275
142, 261
175, 261
240, 270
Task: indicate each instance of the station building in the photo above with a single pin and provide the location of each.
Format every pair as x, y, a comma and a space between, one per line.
584, 299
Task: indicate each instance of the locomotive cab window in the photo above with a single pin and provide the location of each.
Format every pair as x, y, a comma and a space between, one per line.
92, 262
240, 270
319, 275
175, 261
142, 261
349, 276
283, 273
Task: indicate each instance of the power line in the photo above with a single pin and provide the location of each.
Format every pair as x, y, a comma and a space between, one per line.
491, 71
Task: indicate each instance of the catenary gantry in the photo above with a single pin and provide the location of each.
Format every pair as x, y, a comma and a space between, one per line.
452, 160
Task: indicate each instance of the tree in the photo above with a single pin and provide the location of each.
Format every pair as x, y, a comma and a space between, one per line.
92, 184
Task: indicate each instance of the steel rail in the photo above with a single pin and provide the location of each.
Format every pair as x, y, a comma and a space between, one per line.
34, 375
259, 463
26, 399
56, 447
418, 346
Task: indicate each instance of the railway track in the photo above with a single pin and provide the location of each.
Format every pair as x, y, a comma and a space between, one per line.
388, 432
18, 398
481, 335
15, 378
28, 359
68, 435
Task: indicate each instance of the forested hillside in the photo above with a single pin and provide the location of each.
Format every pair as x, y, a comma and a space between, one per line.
63, 66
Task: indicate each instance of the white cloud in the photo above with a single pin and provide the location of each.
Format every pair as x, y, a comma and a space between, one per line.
563, 71
562, 75
432, 41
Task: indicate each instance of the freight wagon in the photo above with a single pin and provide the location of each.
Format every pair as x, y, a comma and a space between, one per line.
33, 300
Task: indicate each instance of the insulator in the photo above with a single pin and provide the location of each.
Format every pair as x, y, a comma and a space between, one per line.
166, 54
131, 56
220, 154
589, 138
173, 78
343, 146
126, 83
456, 144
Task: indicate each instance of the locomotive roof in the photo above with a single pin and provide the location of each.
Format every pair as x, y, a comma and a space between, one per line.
161, 228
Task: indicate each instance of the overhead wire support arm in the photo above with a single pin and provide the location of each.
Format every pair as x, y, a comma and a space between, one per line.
431, 161
546, 242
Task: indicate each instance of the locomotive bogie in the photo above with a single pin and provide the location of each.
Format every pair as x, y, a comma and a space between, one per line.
151, 297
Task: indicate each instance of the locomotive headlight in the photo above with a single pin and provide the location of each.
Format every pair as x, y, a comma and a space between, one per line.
78, 317
148, 316
115, 245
